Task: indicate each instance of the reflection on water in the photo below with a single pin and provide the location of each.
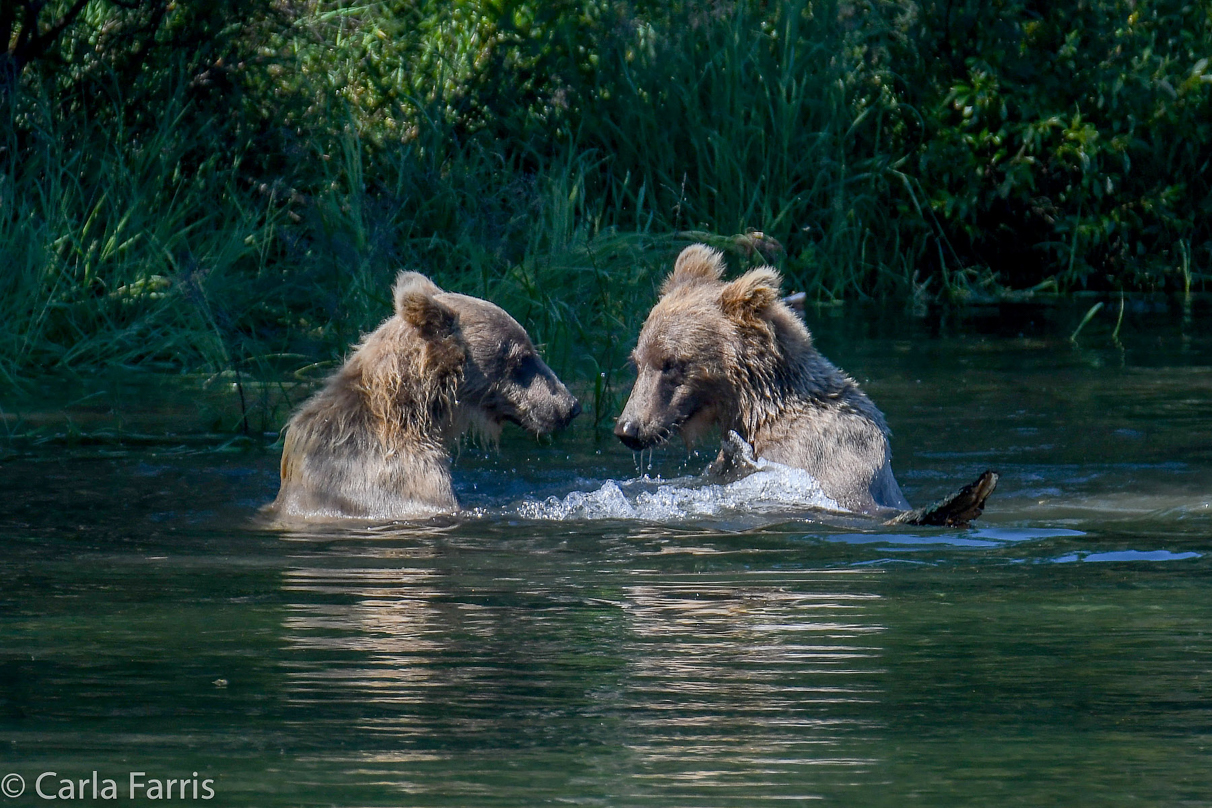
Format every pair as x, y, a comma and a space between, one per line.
680, 651
730, 678
694, 679
1128, 555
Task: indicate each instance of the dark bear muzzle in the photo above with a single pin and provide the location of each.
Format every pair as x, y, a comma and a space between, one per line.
629, 433
573, 413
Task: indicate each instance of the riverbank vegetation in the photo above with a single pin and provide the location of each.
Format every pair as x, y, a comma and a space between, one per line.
230, 187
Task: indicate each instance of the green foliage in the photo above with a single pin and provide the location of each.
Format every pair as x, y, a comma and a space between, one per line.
232, 186
1069, 142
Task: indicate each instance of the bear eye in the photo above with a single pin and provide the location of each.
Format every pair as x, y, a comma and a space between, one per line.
523, 367
673, 366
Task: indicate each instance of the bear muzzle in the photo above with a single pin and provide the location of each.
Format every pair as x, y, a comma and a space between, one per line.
548, 414
628, 431
569, 413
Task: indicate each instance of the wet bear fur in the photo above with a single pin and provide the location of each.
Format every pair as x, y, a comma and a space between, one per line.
373, 442
733, 355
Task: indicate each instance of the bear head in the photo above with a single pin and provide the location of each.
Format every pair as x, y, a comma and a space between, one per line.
707, 351
500, 376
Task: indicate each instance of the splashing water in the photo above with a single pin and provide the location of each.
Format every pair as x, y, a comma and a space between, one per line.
771, 487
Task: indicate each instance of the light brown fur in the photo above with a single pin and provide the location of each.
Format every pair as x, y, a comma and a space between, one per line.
733, 355
373, 442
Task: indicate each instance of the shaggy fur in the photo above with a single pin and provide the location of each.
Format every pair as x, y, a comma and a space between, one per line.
372, 443
733, 355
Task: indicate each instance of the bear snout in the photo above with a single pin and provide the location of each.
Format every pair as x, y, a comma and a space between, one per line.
628, 431
566, 409
573, 413
543, 412
565, 404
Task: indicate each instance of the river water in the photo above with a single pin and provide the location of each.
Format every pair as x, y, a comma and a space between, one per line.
601, 630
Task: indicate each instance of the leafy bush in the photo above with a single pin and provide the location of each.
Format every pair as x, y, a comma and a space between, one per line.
1067, 143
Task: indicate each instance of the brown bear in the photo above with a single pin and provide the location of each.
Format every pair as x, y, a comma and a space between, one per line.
373, 442
734, 356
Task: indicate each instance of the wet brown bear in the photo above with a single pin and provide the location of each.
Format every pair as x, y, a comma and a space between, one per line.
372, 443
733, 355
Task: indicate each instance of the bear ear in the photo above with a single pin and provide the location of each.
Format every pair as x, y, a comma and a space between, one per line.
416, 305
698, 263
752, 293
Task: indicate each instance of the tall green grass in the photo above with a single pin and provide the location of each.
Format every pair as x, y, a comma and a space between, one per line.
168, 246
239, 210
762, 122
138, 255
110, 251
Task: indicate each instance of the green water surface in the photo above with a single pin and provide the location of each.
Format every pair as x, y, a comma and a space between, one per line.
1058, 653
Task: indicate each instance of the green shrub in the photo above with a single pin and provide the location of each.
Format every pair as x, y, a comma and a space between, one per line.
1067, 143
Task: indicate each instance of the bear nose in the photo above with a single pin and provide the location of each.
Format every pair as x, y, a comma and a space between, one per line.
575, 411
629, 433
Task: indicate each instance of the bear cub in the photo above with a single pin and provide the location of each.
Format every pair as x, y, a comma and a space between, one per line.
733, 355
373, 442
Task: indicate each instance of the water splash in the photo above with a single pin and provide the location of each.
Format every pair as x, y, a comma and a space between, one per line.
772, 487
